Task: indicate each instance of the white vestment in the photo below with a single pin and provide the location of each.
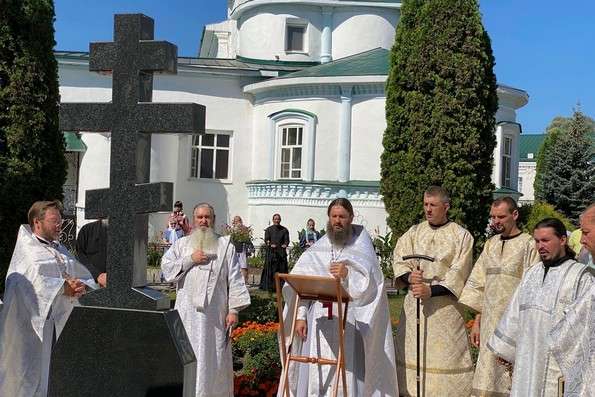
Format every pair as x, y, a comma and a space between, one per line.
369, 348
521, 336
35, 312
205, 295
572, 343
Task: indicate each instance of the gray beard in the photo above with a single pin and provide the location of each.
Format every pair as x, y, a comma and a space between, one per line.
338, 237
205, 240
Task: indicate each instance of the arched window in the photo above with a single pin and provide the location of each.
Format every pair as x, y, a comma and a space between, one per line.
292, 141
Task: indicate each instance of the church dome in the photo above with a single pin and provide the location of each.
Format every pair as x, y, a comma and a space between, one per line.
312, 30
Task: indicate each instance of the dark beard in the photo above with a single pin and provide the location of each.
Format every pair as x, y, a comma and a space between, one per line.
339, 237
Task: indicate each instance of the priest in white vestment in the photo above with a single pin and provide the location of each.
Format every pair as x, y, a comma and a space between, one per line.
545, 292
345, 252
495, 277
446, 367
43, 284
573, 338
210, 293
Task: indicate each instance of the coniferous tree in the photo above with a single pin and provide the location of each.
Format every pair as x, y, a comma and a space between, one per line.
440, 110
565, 166
32, 163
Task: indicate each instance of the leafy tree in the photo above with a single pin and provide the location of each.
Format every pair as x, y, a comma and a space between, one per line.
565, 165
440, 110
531, 214
558, 126
32, 163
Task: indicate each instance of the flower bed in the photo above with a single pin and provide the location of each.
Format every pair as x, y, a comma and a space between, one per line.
257, 366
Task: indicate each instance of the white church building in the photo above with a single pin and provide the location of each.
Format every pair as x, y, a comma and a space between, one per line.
295, 99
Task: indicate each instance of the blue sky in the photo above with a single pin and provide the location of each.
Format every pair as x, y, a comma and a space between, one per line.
544, 47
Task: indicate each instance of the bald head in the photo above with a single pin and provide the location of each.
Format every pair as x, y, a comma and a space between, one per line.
588, 229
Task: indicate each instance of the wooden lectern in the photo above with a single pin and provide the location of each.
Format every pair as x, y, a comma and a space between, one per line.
320, 288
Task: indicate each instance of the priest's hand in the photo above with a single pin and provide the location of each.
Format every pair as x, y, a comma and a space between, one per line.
199, 257
421, 291
73, 287
301, 328
231, 320
339, 269
416, 277
102, 280
474, 334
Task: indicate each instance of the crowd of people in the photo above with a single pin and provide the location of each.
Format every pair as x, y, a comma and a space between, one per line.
534, 324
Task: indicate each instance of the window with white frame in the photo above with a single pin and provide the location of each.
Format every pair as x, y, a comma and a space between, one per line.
291, 146
506, 161
210, 156
295, 36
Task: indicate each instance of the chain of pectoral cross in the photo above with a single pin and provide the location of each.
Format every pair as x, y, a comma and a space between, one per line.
335, 255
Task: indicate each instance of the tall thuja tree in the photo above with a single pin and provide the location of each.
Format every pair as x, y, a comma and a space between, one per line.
440, 108
567, 172
32, 163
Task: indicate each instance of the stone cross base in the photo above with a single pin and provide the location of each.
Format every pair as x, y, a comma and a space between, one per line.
119, 352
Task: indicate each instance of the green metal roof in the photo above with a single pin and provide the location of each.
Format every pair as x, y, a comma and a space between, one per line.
529, 146
74, 142
369, 63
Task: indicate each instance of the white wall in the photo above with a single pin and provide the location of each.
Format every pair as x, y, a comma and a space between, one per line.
227, 110
327, 129
262, 32
354, 30
527, 171
358, 29
367, 128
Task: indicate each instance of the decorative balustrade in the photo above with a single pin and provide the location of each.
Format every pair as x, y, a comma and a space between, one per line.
315, 194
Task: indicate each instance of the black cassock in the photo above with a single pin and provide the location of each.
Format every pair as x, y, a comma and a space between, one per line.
275, 260
91, 247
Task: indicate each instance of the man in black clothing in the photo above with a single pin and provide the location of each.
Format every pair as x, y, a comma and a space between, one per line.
276, 238
91, 249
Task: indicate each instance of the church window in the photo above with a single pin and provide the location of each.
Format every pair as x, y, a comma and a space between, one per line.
506, 162
210, 156
291, 152
295, 38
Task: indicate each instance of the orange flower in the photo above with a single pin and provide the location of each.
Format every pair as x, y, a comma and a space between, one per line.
469, 324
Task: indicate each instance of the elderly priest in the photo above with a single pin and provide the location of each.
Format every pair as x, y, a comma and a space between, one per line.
211, 291
43, 284
345, 252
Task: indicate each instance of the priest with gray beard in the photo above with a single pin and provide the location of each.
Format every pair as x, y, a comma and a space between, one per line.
345, 252
210, 293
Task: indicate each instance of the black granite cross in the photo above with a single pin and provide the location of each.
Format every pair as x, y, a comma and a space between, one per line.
130, 118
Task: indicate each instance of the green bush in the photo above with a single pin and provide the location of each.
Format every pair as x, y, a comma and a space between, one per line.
384, 247
154, 255
262, 309
531, 214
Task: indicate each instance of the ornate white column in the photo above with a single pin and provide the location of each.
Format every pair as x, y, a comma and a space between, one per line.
344, 155
310, 152
272, 144
326, 38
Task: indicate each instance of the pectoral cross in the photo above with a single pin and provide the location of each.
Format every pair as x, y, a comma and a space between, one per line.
329, 306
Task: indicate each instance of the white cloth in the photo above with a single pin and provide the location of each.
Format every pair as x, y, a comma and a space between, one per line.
35, 309
370, 354
521, 336
572, 343
205, 295
242, 260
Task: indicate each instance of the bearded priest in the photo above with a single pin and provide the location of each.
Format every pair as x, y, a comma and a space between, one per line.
210, 293
345, 252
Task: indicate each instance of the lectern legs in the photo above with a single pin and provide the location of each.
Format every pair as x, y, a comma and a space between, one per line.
287, 356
